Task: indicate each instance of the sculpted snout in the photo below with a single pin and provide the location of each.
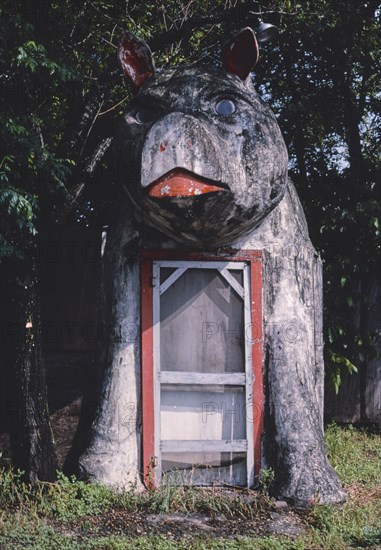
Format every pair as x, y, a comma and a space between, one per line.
180, 141
210, 179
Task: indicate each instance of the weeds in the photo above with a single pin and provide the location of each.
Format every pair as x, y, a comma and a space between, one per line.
69, 499
13, 492
355, 453
63, 514
266, 479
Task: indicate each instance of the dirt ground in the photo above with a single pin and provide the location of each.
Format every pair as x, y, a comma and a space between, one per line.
182, 526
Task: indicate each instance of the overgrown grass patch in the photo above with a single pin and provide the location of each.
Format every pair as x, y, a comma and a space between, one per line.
68, 499
355, 453
70, 514
353, 526
160, 543
22, 530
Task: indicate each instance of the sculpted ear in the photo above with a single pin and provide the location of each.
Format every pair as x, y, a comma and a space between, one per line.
135, 58
241, 53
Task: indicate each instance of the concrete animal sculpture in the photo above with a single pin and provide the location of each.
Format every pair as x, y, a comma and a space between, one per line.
202, 165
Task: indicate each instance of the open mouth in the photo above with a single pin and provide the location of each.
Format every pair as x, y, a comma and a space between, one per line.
181, 183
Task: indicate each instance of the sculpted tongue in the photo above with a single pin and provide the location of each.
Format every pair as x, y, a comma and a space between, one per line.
181, 184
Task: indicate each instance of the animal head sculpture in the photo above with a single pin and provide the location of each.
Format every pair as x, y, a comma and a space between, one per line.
199, 153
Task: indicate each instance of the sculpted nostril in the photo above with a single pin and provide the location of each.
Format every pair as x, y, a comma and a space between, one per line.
274, 193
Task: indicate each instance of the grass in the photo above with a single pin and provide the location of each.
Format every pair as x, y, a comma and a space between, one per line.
71, 514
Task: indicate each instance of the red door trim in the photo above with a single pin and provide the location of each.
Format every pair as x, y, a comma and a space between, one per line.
147, 257
257, 354
148, 412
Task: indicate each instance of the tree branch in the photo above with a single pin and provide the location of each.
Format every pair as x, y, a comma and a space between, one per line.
200, 21
82, 175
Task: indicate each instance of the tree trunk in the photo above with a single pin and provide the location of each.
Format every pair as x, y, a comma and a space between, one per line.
30, 433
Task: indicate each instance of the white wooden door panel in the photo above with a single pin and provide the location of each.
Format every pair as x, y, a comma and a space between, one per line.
202, 372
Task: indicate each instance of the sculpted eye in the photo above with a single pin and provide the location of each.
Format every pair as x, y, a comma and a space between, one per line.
143, 115
225, 107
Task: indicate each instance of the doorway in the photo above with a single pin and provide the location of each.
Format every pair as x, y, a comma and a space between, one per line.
200, 408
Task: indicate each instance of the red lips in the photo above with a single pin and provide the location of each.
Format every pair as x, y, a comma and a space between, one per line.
180, 183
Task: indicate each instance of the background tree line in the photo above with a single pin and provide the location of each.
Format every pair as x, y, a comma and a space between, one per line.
62, 94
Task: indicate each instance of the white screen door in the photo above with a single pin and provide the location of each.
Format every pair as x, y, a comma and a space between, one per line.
203, 375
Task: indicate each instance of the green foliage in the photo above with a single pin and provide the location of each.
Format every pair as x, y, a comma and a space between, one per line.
322, 77
33, 56
17, 207
35, 93
354, 526
56, 515
339, 361
68, 499
169, 498
266, 479
355, 454
238, 543
124, 543
19, 531
12, 491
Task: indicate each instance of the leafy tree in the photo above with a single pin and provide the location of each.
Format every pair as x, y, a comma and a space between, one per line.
325, 84
62, 94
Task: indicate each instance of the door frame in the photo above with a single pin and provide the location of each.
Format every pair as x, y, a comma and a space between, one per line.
254, 259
